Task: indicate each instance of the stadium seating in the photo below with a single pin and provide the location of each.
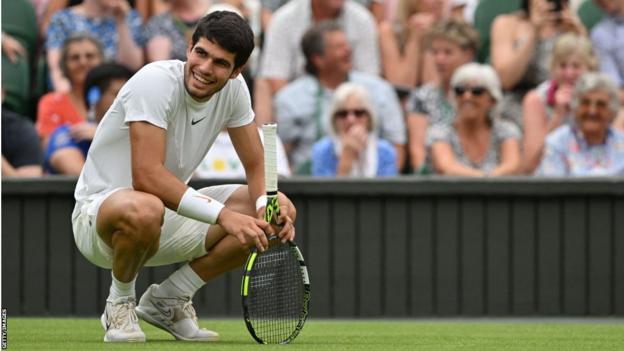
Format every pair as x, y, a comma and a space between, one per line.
590, 14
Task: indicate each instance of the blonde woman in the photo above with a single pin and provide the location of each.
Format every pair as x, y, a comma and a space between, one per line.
548, 106
476, 143
404, 59
352, 147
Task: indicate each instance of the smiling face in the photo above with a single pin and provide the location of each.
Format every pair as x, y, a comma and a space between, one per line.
208, 68
473, 101
81, 57
567, 71
594, 114
336, 55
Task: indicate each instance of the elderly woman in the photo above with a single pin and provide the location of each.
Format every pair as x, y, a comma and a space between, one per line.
589, 146
547, 107
352, 148
476, 143
452, 43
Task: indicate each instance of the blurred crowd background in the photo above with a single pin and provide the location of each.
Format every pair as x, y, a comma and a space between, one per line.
359, 88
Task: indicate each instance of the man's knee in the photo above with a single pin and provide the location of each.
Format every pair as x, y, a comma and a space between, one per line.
142, 219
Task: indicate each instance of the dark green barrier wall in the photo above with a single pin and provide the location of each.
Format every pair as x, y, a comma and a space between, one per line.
393, 248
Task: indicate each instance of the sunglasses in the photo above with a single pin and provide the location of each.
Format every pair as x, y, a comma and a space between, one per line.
359, 113
475, 91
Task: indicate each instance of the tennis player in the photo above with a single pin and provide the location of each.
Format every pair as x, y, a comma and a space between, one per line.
133, 207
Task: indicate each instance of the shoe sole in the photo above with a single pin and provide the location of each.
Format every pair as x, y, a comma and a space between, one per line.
106, 339
147, 318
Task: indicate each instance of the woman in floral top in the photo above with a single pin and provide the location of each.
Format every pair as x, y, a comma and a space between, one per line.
475, 144
590, 146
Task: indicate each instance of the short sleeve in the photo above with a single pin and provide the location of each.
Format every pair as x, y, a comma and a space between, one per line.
242, 114
135, 23
57, 33
148, 95
507, 130
438, 132
277, 58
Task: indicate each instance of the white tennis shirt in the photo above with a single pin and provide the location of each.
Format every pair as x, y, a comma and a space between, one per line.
156, 94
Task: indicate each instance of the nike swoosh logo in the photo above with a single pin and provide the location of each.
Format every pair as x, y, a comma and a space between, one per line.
194, 122
165, 310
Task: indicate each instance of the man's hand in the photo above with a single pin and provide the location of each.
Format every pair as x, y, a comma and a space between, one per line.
284, 225
245, 228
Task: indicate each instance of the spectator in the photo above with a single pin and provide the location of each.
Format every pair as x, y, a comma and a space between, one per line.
282, 60
168, 34
547, 107
21, 154
589, 146
521, 46
68, 145
406, 62
79, 55
222, 161
476, 143
111, 21
299, 107
608, 40
452, 44
352, 147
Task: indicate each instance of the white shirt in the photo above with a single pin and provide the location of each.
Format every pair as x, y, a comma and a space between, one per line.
156, 94
222, 160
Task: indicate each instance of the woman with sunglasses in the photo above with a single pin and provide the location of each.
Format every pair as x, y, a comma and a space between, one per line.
352, 147
475, 143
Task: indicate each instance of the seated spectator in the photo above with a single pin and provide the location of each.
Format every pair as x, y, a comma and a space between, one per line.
282, 60
521, 45
477, 143
452, 44
21, 154
608, 39
589, 146
299, 107
405, 60
547, 107
168, 34
68, 145
352, 147
115, 25
222, 161
79, 55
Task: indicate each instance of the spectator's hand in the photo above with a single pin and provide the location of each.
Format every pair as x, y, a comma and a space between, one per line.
354, 139
563, 97
12, 48
542, 13
121, 10
570, 22
83, 131
63, 86
420, 24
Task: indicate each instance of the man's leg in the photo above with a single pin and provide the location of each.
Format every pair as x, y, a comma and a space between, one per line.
129, 223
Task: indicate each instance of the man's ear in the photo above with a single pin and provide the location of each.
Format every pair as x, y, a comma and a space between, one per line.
189, 49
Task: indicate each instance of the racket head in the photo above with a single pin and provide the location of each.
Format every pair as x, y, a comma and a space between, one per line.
276, 293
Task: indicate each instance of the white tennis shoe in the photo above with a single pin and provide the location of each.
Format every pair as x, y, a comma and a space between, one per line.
120, 321
174, 315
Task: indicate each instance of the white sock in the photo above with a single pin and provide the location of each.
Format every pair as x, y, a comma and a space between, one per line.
120, 289
183, 282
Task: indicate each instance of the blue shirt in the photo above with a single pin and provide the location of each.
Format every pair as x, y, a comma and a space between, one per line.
67, 22
566, 153
607, 37
325, 160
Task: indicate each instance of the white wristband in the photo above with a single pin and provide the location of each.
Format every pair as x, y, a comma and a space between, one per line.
199, 206
261, 202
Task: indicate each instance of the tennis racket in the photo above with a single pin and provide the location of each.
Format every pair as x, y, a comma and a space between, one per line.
275, 287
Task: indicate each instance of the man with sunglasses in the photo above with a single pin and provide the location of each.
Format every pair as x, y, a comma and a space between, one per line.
301, 106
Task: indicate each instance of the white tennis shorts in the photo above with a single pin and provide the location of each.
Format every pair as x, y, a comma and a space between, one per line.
181, 238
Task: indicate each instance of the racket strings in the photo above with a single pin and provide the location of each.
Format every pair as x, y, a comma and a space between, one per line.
276, 291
